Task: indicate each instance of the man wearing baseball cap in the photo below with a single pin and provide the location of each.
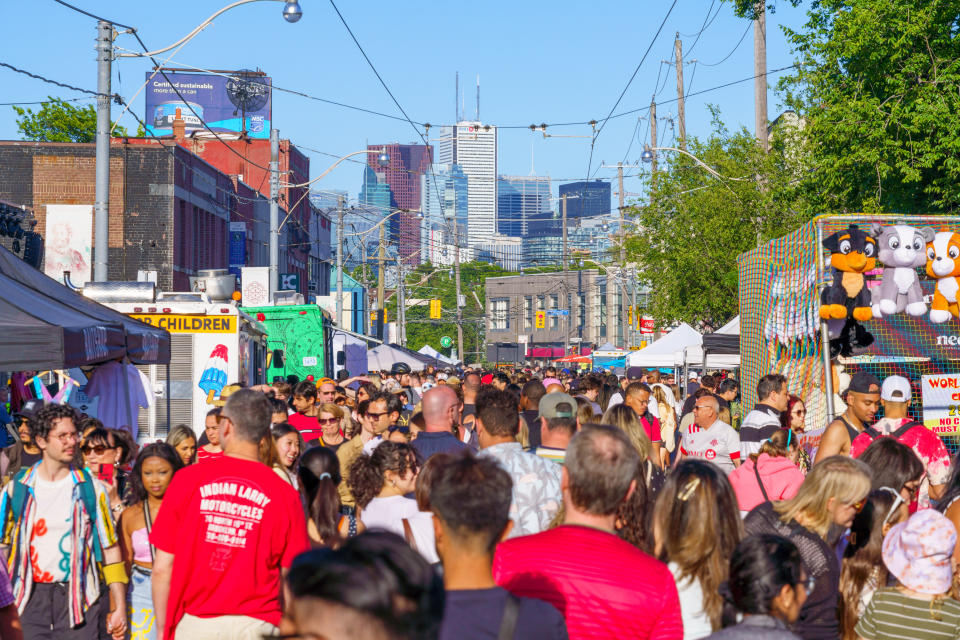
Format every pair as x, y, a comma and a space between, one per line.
558, 423
633, 375
895, 397
863, 400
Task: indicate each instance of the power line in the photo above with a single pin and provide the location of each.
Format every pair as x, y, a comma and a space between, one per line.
113, 97
94, 16
32, 102
732, 51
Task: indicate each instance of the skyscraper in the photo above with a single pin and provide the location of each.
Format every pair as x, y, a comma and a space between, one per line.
444, 194
586, 199
403, 174
518, 199
473, 146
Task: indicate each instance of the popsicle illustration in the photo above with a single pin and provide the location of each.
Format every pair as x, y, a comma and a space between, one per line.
214, 375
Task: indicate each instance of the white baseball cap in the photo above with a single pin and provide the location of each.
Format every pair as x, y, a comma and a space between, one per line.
692, 375
895, 389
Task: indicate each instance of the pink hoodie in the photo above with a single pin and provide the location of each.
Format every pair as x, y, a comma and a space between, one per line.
781, 480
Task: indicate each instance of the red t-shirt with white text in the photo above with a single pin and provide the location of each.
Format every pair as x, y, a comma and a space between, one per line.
308, 426
231, 524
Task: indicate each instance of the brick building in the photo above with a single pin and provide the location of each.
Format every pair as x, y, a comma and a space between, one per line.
170, 210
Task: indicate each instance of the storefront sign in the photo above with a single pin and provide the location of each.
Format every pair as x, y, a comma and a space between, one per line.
941, 403
182, 323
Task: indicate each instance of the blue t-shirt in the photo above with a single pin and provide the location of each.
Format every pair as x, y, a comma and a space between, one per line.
475, 614
429, 443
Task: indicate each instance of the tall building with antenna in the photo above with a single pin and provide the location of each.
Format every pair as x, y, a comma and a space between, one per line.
473, 145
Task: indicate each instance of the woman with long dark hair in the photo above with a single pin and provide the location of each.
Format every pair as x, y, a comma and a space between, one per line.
319, 476
768, 587
863, 571
794, 418
149, 480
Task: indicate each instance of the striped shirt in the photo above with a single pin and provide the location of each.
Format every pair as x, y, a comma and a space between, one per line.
891, 615
604, 587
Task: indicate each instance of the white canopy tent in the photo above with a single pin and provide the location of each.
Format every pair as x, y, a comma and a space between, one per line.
430, 352
680, 346
385, 356
731, 328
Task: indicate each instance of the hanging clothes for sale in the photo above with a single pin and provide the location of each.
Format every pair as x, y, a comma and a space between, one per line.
121, 391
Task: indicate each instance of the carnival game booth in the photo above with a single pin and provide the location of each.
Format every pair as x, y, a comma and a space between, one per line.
845, 293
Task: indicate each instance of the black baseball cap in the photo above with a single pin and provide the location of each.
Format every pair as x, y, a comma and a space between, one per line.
30, 409
863, 382
634, 373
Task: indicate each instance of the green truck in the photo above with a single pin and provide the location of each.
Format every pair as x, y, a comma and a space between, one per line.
298, 341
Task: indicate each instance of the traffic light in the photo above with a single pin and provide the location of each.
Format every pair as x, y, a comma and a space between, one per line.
630, 315
541, 319
435, 309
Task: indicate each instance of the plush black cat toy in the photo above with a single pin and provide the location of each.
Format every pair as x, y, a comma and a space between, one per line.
853, 253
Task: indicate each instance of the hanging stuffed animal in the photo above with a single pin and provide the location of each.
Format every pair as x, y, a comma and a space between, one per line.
853, 253
901, 249
943, 264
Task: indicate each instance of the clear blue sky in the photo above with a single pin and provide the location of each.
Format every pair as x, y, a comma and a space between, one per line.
538, 61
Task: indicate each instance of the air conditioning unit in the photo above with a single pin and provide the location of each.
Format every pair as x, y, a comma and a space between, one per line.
218, 284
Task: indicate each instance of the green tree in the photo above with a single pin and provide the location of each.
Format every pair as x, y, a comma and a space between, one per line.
695, 225
60, 121
878, 88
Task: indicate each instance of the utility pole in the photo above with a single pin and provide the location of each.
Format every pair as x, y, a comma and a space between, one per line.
340, 262
274, 211
381, 308
563, 254
678, 54
653, 135
101, 206
760, 73
621, 197
456, 269
401, 305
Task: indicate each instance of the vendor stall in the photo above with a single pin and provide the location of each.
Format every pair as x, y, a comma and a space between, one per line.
856, 292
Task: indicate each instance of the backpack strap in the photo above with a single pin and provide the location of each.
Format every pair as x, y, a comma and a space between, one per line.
508, 623
902, 431
873, 433
19, 497
756, 470
88, 495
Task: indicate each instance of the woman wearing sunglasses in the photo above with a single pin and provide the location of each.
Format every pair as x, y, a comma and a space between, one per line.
770, 474
99, 455
863, 571
331, 418
832, 494
795, 419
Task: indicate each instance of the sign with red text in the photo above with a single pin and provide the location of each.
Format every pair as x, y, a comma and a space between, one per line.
941, 403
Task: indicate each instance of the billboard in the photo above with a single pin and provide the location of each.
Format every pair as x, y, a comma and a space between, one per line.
227, 103
69, 235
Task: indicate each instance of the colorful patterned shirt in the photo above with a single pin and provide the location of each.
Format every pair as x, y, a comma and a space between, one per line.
536, 487
21, 529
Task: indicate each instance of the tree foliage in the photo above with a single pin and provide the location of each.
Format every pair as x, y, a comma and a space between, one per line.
695, 225
878, 87
60, 121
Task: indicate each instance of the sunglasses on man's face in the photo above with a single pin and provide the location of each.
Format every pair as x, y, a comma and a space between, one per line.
376, 416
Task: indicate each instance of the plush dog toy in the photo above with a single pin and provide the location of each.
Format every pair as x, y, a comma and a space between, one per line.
943, 264
901, 249
853, 253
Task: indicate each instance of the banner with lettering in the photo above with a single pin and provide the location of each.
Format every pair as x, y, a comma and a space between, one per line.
941, 403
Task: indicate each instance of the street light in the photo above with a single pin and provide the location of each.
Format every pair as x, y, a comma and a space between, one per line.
648, 156
105, 54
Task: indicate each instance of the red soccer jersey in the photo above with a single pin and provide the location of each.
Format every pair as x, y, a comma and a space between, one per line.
203, 455
308, 426
231, 524
603, 586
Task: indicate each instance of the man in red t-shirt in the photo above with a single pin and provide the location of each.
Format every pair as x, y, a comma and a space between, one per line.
305, 419
604, 586
226, 532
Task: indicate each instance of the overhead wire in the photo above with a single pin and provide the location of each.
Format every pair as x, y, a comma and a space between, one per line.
732, 51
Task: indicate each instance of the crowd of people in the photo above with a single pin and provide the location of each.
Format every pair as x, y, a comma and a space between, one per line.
534, 503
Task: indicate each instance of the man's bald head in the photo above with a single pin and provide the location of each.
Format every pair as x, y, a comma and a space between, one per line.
438, 407
556, 388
